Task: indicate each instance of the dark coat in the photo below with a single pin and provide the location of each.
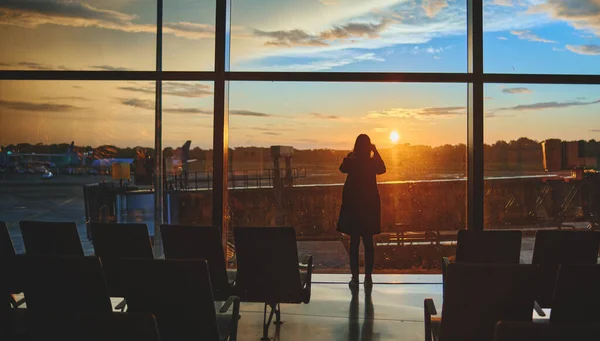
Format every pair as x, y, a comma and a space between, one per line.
361, 206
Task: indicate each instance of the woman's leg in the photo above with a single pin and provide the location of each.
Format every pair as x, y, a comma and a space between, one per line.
354, 244
369, 254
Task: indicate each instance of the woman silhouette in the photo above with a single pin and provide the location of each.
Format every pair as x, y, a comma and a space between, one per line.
360, 215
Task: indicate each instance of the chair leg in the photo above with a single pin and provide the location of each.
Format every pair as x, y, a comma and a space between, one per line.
278, 315
267, 323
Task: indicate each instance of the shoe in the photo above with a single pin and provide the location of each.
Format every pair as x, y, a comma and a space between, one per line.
353, 284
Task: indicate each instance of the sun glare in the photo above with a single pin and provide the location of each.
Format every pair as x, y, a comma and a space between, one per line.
394, 137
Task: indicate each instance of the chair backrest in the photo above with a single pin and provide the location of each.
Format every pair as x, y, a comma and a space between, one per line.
530, 331
477, 296
556, 247
177, 292
267, 264
199, 242
113, 242
51, 238
490, 247
91, 327
121, 240
64, 284
7, 249
577, 295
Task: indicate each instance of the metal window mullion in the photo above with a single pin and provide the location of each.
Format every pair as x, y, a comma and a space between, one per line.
221, 119
475, 181
158, 157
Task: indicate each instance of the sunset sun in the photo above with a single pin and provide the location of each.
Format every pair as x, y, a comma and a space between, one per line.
394, 137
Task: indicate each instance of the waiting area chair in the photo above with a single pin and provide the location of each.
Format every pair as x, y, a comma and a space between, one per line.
51, 238
477, 297
113, 242
555, 247
64, 285
269, 270
577, 295
179, 294
9, 278
200, 242
91, 327
524, 331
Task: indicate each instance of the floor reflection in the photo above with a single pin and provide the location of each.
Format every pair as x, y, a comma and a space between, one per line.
364, 332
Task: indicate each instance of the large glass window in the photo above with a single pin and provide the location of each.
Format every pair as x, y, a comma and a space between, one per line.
60, 139
419, 129
551, 36
75, 35
540, 146
354, 35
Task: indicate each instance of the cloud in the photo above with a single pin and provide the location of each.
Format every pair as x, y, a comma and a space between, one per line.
31, 14
323, 64
502, 38
108, 68
248, 113
323, 117
66, 98
547, 105
187, 111
590, 50
418, 113
527, 35
138, 103
271, 133
298, 37
433, 7
178, 89
488, 98
33, 106
581, 14
517, 91
594, 130
505, 3
329, 2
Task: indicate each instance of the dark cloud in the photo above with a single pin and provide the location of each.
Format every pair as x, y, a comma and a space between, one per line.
66, 98
581, 14
248, 113
594, 130
442, 111
590, 50
32, 106
34, 66
77, 87
108, 68
32, 14
138, 103
271, 133
517, 91
187, 111
299, 37
416, 113
322, 116
548, 105
179, 89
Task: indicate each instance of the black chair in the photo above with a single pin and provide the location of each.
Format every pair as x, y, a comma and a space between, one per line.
487, 247
269, 270
113, 242
64, 285
576, 295
477, 296
179, 295
524, 331
9, 279
555, 247
200, 242
51, 238
91, 327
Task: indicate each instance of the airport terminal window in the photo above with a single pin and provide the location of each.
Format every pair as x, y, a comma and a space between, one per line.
187, 150
189, 35
78, 35
349, 36
419, 130
540, 156
551, 37
59, 136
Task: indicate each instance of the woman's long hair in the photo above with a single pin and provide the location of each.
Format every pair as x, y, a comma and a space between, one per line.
362, 146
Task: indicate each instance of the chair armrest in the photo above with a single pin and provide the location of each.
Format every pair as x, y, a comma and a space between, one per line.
230, 300
121, 306
429, 310
16, 303
538, 309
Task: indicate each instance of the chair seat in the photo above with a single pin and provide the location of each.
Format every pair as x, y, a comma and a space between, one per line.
224, 326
